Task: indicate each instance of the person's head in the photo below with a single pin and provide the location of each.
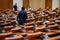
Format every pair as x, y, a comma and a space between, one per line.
23, 8
15, 3
56, 8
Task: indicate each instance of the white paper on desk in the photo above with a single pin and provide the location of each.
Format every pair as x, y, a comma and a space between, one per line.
46, 36
48, 30
14, 35
3, 31
23, 30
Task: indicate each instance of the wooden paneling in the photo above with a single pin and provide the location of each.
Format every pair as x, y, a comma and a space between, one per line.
6, 4
10, 4
26, 3
1, 4
48, 4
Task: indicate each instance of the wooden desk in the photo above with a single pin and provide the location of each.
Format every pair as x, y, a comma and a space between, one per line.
18, 28
57, 21
49, 23
29, 24
14, 38
6, 24
53, 32
4, 35
52, 25
28, 27
34, 34
51, 19
8, 28
30, 19
39, 22
14, 30
31, 34
53, 38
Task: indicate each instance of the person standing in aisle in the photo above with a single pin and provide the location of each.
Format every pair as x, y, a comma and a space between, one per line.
15, 7
22, 16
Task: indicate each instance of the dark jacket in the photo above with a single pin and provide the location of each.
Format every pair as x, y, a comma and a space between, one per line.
15, 7
22, 16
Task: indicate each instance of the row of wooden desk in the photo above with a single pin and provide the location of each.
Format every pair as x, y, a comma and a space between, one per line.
32, 35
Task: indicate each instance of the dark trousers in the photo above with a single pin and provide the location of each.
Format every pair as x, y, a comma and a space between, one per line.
21, 23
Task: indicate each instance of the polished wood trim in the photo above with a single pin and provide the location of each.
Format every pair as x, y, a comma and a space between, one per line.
6, 4
26, 3
48, 4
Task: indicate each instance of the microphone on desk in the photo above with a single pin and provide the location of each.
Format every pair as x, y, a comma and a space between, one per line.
3, 31
34, 27
48, 30
16, 25
13, 35
22, 30
43, 35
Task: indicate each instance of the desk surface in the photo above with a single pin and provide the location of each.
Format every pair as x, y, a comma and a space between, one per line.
18, 28
5, 34
12, 38
9, 26
53, 38
53, 32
